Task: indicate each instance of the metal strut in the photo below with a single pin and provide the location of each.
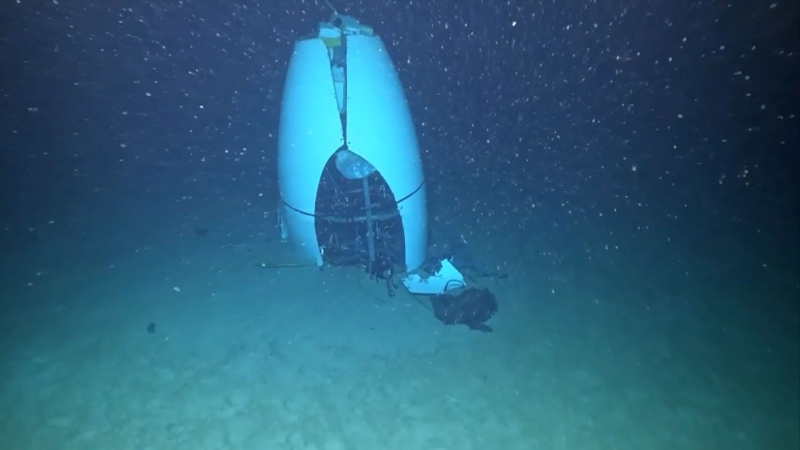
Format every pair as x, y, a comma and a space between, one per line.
370, 221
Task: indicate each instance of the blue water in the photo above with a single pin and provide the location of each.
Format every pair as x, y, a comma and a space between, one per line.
632, 167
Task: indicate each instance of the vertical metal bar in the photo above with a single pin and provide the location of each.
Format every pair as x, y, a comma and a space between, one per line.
370, 225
